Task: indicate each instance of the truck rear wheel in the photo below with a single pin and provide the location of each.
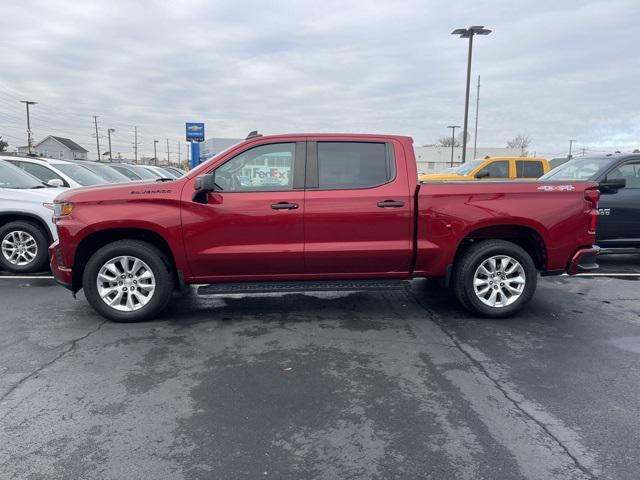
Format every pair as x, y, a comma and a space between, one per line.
494, 278
128, 281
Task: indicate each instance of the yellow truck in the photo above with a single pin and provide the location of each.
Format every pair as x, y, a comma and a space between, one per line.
493, 168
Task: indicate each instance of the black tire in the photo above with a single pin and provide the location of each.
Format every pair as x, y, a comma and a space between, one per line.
41, 260
156, 260
465, 269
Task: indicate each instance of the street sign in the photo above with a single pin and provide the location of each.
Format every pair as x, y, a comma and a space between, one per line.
195, 132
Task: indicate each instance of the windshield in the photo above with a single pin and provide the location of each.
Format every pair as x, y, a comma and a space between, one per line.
108, 173
14, 177
127, 172
467, 168
168, 173
146, 174
578, 169
78, 173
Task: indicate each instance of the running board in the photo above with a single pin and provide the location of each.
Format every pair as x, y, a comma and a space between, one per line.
616, 251
301, 286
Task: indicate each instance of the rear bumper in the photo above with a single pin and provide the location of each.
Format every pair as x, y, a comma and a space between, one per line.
584, 260
62, 274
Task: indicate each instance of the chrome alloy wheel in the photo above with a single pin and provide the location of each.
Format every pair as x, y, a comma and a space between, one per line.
19, 248
499, 281
126, 283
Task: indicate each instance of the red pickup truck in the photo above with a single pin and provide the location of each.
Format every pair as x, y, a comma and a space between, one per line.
332, 209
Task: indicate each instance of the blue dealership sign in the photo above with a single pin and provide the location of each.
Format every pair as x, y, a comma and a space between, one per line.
195, 132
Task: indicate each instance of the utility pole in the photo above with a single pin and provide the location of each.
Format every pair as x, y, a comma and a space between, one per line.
109, 132
95, 120
29, 136
570, 148
155, 153
135, 144
168, 158
453, 139
179, 161
468, 33
475, 133
583, 149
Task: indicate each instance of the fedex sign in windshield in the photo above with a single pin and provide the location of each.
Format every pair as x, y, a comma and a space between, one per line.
195, 132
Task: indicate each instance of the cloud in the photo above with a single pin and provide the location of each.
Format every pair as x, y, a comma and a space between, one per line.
552, 70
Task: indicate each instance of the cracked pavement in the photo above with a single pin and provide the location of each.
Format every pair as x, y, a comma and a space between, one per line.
375, 385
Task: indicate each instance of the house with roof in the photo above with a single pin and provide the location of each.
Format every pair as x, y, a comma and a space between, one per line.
57, 147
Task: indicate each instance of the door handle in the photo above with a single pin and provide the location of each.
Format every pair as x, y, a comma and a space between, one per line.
390, 204
284, 206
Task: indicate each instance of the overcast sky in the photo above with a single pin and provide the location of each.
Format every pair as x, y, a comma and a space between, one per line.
554, 70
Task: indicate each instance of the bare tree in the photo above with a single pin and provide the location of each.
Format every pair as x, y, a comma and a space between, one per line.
520, 141
446, 142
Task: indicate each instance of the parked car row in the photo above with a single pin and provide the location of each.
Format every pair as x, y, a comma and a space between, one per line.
27, 189
79, 173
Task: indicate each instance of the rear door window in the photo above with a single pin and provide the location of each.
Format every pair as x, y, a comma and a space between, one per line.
349, 165
529, 169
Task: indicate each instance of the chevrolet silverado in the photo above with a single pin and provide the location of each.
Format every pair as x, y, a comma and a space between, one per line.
340, 210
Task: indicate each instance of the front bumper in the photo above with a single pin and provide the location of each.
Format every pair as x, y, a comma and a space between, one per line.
62, 274
584, 260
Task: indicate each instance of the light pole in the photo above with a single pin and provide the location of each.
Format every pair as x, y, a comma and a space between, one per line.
155, 154
468, 33
29, 137
109, 132
570, 148
475, 133
453, 139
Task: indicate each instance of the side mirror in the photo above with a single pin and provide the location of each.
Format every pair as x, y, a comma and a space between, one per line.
203, 186
55, 182
483, 174
612, 185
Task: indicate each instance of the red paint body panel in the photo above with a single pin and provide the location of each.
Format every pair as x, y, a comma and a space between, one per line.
333, 233
450, 212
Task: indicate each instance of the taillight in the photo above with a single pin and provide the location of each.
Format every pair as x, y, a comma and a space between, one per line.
592, 196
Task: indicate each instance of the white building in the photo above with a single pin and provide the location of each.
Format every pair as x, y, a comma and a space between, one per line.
435, 158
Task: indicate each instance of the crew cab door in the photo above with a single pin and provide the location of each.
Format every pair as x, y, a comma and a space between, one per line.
251, 226
358, 208
619, 220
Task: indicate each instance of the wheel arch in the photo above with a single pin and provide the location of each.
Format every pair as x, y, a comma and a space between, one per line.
14, 216
528, 238
96, 240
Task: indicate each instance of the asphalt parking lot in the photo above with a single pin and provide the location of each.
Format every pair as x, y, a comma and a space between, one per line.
376, 385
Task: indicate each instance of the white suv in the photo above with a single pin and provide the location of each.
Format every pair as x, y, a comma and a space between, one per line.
57, 173
26, 229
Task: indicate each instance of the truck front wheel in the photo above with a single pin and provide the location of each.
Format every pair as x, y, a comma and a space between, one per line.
494, 278
128, 281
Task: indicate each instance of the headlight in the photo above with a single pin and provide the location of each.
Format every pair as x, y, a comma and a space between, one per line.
48, 205
62, 209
